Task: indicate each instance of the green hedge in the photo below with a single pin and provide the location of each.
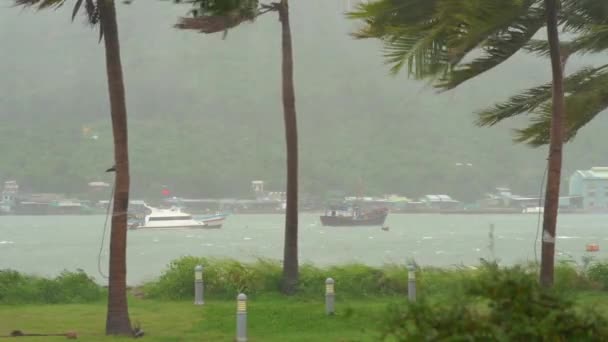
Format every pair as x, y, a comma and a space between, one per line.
224, 278
68, 287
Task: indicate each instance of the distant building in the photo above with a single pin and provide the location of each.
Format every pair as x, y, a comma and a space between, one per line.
591, 186
257, 186
440, 202
9, 195
388, 201
504, 198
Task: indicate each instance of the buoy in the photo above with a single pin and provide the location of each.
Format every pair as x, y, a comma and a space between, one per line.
593, 247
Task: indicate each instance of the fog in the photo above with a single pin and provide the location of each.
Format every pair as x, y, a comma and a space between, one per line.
205, 115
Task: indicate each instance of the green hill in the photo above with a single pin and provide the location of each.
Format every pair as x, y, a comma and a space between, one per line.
205, 113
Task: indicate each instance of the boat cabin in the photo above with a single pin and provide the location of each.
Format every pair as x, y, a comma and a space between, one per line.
343, 211
169, 218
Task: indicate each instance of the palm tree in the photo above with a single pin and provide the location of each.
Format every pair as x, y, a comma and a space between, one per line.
434, 37
210, 16
103, 13
555, 148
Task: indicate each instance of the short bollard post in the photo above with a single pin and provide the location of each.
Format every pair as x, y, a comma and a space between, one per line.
198, 285
411, 283
330, 296
241, 318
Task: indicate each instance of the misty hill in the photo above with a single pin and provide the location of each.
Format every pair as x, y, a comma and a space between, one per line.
205, 114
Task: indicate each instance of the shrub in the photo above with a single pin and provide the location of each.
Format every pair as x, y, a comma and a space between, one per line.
443, 283
567, 278
598, 272
223, 278
500, 305
68, 287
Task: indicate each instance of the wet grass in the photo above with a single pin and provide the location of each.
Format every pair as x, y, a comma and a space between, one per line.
270, 319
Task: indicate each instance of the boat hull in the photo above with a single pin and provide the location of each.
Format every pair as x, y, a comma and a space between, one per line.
348, 221
199, 225
213, 221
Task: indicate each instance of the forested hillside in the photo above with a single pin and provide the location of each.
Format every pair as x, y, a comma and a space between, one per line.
205, 113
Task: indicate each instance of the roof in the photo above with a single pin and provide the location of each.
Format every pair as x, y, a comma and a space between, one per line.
396, 198
438, 198
596, 173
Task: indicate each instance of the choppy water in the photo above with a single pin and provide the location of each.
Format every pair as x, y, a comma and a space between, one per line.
48, 244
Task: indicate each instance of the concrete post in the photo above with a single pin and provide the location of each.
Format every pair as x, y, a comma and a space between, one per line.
241, 318
330, 296
198, 285
411, 283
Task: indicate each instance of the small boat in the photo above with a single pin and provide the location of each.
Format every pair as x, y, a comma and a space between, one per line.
213, 221
592, 247
533, 210
355, 217
167, 219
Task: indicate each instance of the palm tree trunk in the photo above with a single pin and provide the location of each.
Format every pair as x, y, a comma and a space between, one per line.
117, 321
290, 249
555, 149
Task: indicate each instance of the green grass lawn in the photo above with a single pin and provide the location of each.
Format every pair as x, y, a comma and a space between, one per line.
270, 319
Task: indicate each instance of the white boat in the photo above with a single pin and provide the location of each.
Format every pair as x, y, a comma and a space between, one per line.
166, 219
533, 210
213, 221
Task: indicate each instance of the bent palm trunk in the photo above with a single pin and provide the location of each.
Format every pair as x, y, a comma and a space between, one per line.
117, 321
555, 149
290, 252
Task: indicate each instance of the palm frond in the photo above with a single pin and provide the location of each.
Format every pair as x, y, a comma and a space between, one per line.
577, 15
522, 103
423, 52
210, 24
213, 16
91, 7
40, 4
587, 96
537, 98
582, 106
594, 40
378, 16
410, 30
587, 20
432, 38
498, 47
541, 47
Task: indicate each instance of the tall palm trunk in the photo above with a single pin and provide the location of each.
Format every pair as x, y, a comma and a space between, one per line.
290, 251
555, 149
117, 321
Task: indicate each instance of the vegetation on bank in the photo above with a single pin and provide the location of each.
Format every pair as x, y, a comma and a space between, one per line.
224, 278
471, 303
499, 305
66, 288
